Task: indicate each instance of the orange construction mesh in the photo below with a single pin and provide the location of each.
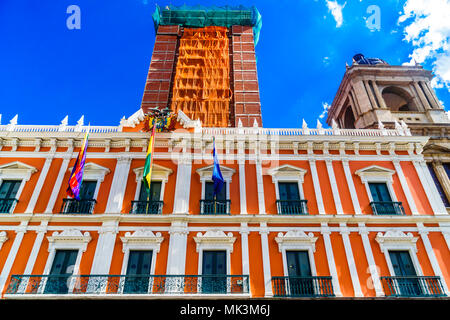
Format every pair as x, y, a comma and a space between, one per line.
201, 86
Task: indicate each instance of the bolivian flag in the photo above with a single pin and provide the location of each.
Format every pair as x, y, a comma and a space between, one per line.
147, 176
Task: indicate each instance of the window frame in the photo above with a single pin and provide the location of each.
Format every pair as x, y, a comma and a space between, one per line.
159, 173
377, 174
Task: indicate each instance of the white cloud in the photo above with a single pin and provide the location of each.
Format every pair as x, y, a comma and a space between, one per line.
336, 11
427, 27
325, 107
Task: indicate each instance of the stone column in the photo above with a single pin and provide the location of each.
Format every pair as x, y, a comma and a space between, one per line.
316, 183
380, 99
118, 185
422, 97
259, 182
373, 268
325, 231
351, 186
39, 184
369, 92
442, 177
244, 247
350, 260
176, 260
334, 188
183, 186
58, 182
20, 232
264, 231
431, 99
242, 186
105, 247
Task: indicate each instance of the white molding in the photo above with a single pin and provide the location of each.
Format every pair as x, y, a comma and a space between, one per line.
260, 188
264, 231
344, 231
205, 174
317, 190
142, 239
3, 238
377, 174
58, 184
214, 239
297, 240
242, 187
351, 186
94, 172
16, 170
405, 186
68, 239
39, 185
326, 231
394, 240
334, 188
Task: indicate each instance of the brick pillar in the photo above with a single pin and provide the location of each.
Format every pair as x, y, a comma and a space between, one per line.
247, 105
162, 67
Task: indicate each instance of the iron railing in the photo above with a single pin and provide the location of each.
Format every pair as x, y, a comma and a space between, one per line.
127, 284
302, 287
387, 207
7, 205
292, 206
413, 286
146, 207
73, 206
215, 206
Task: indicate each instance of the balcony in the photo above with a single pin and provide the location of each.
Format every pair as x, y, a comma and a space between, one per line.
387, 208
413, 286
127, 284
7, 205
302, 287
146, 207
292, 206
73, 206
215, 206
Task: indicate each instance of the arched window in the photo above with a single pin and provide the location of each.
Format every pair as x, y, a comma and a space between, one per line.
398, 99
349, 119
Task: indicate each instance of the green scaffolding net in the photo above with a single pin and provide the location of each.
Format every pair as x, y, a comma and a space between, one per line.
201, 16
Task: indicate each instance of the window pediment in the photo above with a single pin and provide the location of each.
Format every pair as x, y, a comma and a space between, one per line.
17, 170
205, 173
375, 173
93, 171
296, 239
215, 239
287, 172
69, 238
142, 238
159, 173
396, 239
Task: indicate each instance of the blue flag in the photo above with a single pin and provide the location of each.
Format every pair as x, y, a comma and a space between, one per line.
217, 175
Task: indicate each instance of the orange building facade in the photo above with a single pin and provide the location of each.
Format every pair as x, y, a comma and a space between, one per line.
304, 212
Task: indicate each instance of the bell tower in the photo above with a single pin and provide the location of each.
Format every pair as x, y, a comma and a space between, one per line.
372, 91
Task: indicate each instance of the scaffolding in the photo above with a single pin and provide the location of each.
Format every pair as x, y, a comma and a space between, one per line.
201, 16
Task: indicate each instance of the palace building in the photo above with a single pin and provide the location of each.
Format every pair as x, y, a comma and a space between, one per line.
359, 209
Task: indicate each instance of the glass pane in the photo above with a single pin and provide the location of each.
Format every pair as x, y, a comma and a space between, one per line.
209, 191
87, 190
9, 188
155, 192
380, 192
288, 191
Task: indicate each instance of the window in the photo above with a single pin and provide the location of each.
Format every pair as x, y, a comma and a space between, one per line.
153, 195
150, 201
87, 199
209, 192
214, 272
378, 183
138, 271
62, 268
406, 281
288, 182
299, 272
8, 192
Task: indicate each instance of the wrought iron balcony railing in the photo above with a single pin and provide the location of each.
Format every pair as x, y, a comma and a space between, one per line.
127, 284
302, 287
215, 206
387, 207
292, 206
418, 286
73, 206
7, 205
146, 207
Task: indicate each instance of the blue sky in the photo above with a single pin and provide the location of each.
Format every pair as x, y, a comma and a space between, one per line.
48, 71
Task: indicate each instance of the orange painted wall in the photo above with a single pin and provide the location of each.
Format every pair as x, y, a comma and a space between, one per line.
325, 188
251, 189
48, 185
256, 265
6, 248
441, 252
103, 192
416, 187
276, 258
362, 266
344, 192
340, 258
